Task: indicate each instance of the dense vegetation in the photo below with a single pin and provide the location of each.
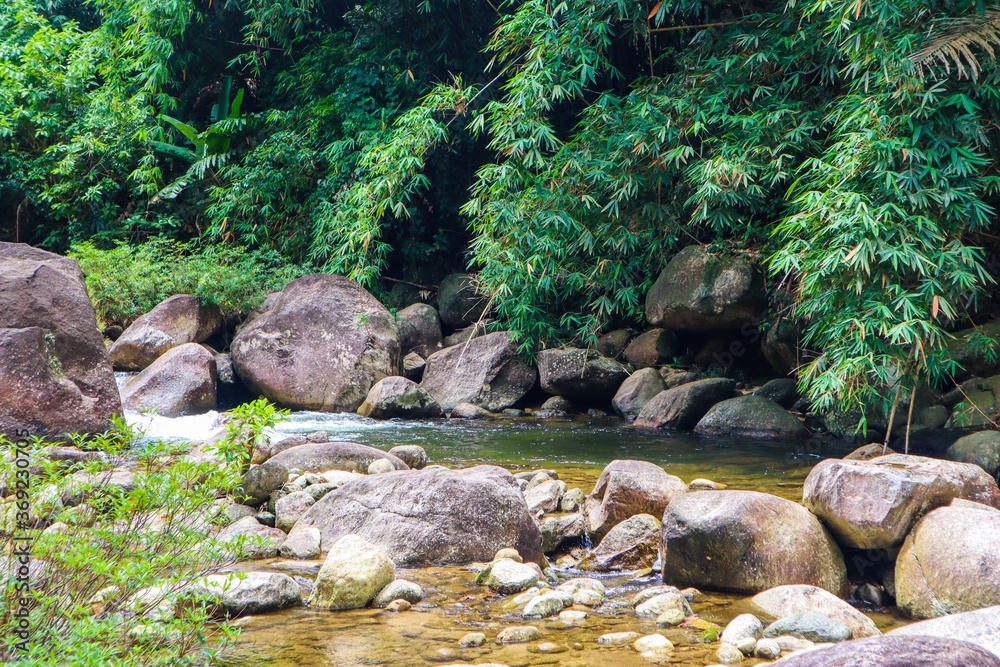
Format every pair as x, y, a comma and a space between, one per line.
562, 150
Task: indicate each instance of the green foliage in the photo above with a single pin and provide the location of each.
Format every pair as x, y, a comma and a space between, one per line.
102, 585
128, 281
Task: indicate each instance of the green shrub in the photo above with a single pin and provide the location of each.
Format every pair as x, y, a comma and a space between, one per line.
128, 281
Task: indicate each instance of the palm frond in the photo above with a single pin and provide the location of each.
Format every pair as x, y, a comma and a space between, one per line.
954, 42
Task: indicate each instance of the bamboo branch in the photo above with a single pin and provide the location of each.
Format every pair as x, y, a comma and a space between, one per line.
699, 26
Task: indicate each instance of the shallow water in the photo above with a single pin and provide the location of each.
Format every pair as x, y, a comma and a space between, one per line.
453, 606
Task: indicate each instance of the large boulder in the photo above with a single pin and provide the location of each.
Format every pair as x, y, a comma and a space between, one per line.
419, 329
744, 541
699, 291
750, 416
633, 394
581, 374
683, 406
652, 348
950, 562
352, 575
459, 301
430, 516
784, 601
397, 397
323, 456
982, 449
627, 488
250, 593
894, 651
486, 372
872, 504
633, 544
178, 320
319, 345
54, 368
180, 382
981, 627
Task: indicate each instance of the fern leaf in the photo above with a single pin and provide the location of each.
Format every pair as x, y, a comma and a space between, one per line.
954, 43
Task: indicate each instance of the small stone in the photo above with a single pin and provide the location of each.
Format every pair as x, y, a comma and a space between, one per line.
303, 545
767, 649
572, 500
400, 589
398, 605
266, 518
872, 594
746, 645
702, 484
565, 562
472, 640
380, 466
573, 616
508, 577
662, 603
509, 553
524, 598
618, 638
549, 647
728, 654
652, 592
519, 634
653, 644
670, 617
742, 627
809, 625
548, 603
789, 644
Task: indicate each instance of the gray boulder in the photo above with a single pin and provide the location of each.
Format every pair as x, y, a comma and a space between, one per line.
783, 601
260, 481
413, 456
469, 411
459, 301
352, 575
54, 368
750, 416
487, 372
636, 391
178, 320
507, 577
430, 516
324, 456
419, 329
652, 348
613, 343
683, 406
625, 489
182, 381
783, 391
872, 504
633, 544
809, 625
259, 541
894, 651
398, 398
699, 291
981, 449
545, 497
560, 529
980, 627
230, 595
580, 374
319, 345
950, 562
745, 542
290, 508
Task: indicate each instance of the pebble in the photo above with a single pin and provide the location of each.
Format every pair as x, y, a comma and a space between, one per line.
519, 634
398, 605
472, 640
746, 645
729, 654
767, 649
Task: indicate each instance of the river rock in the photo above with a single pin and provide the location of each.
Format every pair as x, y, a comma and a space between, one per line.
290, 509
469, 411
744, 541
784, 601
54, 368
872, 504
459, 301
544, 497
507, 576
326, 456
626, 488
260, 541
750, 416
728, 654
399, 398
559, 404
895, 651
653, 644
261, 481
472, 640
783, 391
178, 320
584, 590
744, 626
487, 372
319, 345
652, 348
636, 391
950, 562
780, 346
412, 455
519, 634
182, 381
683, 406
303, 545
660, 604
413, 366
980, 627
633, 544
400, 589
431, 516
255, 593
557, 530
549, 603
419, 329
981, 449
352, 575
809, 625
613, 343
699, 291
580, 374
618, 638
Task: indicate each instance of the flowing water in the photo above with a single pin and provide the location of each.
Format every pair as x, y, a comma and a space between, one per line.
578, 450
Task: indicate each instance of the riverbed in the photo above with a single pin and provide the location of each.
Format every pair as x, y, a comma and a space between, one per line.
577, 449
